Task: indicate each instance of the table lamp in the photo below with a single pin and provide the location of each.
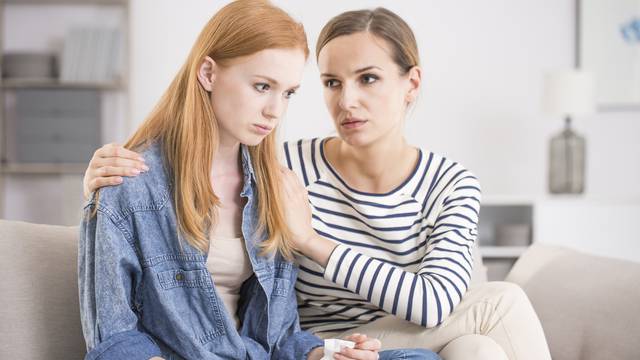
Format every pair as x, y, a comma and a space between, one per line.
568, 94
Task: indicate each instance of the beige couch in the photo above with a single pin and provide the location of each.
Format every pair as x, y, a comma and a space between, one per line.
589, 306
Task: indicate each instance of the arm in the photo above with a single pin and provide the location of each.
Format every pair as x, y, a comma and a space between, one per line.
108, 271
426, 297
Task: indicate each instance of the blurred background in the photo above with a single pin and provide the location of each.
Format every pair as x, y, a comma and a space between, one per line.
80, 73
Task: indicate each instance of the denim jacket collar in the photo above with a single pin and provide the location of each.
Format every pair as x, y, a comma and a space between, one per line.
247, 168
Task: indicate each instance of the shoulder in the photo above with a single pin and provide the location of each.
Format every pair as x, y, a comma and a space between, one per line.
301, 148
302, 156
148, 191
447, 175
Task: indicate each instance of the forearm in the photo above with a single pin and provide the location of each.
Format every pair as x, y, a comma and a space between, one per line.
424, 297
318, 249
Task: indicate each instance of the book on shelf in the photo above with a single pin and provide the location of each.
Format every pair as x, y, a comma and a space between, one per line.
92, 55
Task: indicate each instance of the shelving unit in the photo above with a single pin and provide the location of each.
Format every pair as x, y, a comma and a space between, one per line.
499, 252
502, 252
583, 222
55, 84
27, 188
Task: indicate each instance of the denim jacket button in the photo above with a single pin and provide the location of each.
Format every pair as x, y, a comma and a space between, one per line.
179, 276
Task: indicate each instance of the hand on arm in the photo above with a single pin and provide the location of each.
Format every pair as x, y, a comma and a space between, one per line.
298, 215
108, 165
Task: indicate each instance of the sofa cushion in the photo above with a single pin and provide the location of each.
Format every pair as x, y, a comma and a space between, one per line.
39, 310
589, 306
39, 316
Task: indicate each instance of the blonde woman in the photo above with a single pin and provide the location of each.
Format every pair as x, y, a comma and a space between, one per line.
192, 259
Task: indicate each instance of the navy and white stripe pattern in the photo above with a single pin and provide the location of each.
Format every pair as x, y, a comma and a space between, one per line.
406, 252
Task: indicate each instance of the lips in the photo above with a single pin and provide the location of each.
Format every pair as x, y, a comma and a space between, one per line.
262, 129
352, 122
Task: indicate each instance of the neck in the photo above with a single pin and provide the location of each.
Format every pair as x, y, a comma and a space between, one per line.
377, 167
226, 160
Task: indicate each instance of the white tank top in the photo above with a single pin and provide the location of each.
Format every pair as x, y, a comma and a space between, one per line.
229, 266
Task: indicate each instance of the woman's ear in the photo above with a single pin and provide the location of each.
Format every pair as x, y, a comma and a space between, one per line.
415, 80
207, 73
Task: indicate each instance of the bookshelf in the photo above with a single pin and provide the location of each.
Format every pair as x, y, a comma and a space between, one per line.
598, 224
505, 230
50, 125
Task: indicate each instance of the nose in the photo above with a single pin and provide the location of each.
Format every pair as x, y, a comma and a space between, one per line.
348, 97
275, 108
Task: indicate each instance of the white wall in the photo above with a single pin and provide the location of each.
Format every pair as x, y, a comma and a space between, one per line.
483, 63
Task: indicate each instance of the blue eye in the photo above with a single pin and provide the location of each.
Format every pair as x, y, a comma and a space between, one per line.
262, 87
369, 79
331, 83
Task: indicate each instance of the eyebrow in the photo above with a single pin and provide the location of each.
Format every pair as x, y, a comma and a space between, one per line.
366, 68
275, 82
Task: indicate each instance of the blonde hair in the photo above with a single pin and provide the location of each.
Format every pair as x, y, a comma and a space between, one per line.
380, 22
183, 120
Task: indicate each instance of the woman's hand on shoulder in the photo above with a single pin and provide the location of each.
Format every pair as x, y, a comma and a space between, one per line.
107, 166
297, 209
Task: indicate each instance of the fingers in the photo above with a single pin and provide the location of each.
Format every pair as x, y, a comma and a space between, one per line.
292, 185
356, 338
98, 162
97, 183
111, 167
109, 164
347, 354
369, 344
107, 171
115, 150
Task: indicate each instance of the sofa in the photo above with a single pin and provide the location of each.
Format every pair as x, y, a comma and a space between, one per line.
589, 306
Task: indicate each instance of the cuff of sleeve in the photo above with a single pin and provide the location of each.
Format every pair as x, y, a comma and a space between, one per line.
307, 343
335, 263
132, 345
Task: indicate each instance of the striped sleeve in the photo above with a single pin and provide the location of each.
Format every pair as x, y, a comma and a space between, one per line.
299, 156
429, 295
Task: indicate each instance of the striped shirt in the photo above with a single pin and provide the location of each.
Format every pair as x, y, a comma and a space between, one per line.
407, 252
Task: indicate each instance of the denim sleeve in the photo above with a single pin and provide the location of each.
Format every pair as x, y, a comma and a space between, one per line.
108, 272
293, 342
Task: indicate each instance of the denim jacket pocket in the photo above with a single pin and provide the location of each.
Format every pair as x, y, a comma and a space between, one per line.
182, 278
193, 289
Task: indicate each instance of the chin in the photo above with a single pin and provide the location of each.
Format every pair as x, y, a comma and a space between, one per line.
252, 140
356, 139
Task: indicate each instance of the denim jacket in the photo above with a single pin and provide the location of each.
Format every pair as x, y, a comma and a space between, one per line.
145, 293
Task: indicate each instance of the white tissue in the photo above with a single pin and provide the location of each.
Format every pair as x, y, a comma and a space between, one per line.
333, 346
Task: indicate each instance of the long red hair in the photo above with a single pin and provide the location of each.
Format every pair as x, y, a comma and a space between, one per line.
183, 120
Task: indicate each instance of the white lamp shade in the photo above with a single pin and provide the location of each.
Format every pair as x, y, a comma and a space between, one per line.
570, 92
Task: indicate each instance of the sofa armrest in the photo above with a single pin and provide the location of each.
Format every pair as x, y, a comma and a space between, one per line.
39, 312
588, 305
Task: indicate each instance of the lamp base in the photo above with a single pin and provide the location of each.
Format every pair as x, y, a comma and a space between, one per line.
567, 162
